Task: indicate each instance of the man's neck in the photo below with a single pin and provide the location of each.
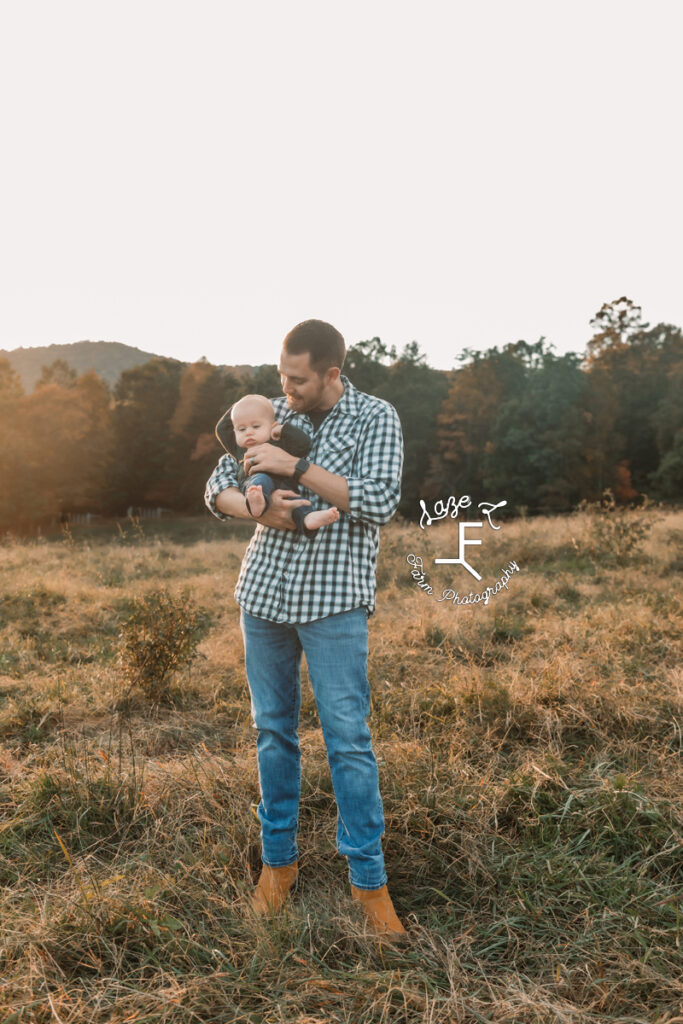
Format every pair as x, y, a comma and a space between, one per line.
328, 401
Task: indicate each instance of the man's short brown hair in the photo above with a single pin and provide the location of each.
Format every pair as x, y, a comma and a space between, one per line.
322, 341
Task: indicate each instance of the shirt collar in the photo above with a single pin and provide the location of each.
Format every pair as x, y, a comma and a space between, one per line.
348, 403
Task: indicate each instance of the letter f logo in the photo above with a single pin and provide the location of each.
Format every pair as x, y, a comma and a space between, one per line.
462, 541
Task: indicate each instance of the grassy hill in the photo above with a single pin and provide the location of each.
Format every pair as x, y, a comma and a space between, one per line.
108, 358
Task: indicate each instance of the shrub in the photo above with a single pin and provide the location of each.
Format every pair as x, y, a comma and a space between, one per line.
616, 533
160, 636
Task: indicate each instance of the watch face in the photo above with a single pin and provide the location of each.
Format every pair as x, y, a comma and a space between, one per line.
301, 467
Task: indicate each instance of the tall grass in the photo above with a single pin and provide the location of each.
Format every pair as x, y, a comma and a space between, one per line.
530, 767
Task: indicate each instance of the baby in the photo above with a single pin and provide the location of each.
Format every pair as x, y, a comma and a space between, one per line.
253, 422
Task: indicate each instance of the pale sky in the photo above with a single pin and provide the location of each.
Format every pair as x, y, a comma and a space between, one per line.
196, 178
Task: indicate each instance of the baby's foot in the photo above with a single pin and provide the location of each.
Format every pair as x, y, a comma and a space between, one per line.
323, 517
257, 503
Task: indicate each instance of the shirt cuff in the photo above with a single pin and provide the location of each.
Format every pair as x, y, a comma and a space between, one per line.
370, 501
223, 477
211, 505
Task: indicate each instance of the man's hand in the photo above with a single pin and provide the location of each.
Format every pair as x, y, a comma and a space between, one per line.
279, 512
265, 458
231, 502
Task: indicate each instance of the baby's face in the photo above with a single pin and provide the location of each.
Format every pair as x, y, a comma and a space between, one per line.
252, 426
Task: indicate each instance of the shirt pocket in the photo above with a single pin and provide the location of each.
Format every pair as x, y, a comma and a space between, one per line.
336, 454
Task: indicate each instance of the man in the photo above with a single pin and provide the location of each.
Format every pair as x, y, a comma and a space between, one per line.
315, 595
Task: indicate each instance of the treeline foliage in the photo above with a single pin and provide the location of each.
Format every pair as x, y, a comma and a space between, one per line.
522, 424
545, 431
108, 358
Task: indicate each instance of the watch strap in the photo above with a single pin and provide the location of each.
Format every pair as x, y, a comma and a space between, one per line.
299, 470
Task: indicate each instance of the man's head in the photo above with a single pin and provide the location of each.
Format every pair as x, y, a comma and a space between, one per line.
252, 418
310, 366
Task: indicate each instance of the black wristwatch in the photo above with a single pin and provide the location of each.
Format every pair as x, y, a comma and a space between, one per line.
299, 470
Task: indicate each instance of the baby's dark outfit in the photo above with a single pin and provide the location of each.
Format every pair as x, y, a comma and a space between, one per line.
292, 440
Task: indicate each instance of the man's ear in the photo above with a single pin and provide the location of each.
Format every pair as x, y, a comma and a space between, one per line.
332, 375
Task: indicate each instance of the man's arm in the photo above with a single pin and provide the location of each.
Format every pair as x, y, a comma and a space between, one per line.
375, 489
225, 500
224, 476
330, 486
373, 494
231, 502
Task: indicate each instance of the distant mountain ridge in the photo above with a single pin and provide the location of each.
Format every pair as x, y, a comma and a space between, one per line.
108, 358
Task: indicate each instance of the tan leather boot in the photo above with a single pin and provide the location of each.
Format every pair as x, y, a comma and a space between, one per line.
272, 888
381, 915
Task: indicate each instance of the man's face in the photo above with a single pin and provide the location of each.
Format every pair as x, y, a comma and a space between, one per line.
301, 384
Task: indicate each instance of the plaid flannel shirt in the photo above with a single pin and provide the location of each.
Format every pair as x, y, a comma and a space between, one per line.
288, 577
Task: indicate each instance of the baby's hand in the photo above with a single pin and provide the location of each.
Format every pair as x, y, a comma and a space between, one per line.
276, 431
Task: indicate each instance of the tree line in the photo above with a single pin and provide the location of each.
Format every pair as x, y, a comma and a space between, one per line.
539, 430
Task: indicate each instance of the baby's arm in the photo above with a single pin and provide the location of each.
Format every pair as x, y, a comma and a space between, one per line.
276, 431
295, 441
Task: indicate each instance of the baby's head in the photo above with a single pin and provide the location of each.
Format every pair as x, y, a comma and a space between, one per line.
252, 419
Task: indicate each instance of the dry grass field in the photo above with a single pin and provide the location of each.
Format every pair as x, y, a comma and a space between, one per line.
530, 767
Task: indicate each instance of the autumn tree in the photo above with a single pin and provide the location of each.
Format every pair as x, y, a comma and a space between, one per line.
629, 365
467, 414
668, 423
614, 325
265, 381
11, 454
10, 382
205, 392
367, 364
54, 450
416, 391
92, 451
535, 453
145, 398
57, 372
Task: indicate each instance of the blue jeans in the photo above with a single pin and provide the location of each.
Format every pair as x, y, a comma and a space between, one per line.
336, 649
